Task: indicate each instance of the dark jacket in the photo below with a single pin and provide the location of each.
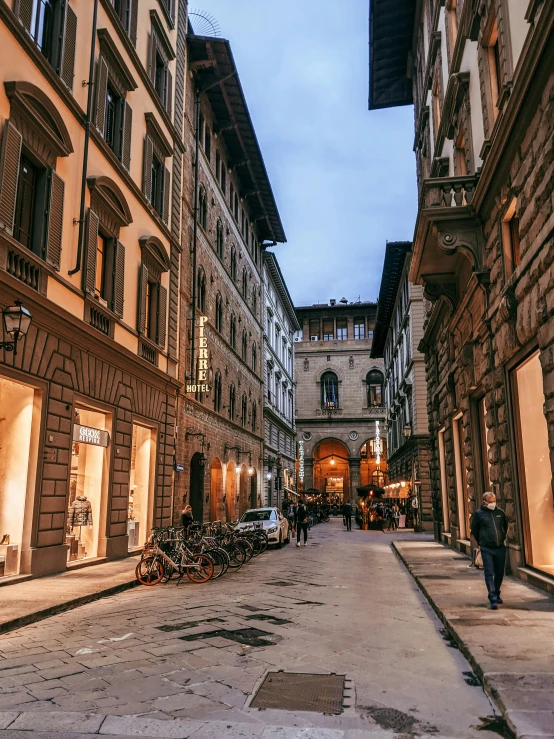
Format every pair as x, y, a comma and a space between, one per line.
186, 520
301, 514
347, 509
489, 528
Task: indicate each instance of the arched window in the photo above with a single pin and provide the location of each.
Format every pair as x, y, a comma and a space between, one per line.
374, 382
244, 410
254, 416
201, 290
219, 239
244, 345
202, 208
244, 283
233, 263
254, 358
233, 331
217, 392
218, 313
232, 402
254, 301
329, 390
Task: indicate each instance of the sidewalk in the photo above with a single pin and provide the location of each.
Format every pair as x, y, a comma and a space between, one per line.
511, 649
26, 602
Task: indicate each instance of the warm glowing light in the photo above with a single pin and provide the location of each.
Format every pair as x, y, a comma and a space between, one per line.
332, 460
250, 470
237, 469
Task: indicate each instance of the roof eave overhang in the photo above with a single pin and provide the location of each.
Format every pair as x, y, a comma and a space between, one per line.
279, 282
393, 267
391, 30
211, 59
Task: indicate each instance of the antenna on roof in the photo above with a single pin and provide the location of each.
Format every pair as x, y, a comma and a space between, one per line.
203, 23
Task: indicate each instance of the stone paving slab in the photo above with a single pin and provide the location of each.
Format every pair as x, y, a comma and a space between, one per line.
33, 600
511, 649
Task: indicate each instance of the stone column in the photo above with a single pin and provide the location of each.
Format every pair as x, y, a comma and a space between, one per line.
355, 480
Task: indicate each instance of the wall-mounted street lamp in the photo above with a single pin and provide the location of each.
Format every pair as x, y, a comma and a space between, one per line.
191, 432
16, 321
407, 431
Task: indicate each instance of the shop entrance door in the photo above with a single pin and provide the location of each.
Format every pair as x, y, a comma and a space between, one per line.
197, 486
87, 483
141, 488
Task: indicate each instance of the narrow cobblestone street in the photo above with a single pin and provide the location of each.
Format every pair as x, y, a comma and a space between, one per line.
129, 664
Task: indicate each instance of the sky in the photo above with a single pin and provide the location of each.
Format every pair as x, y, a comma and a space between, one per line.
343, 177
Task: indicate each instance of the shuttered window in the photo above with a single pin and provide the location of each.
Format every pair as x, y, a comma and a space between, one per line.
152, 308
52, 24
114, 116
158, 71
9, 161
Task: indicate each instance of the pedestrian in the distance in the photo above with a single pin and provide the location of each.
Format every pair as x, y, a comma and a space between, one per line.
489, 526
347, 513
334, 509
301, 523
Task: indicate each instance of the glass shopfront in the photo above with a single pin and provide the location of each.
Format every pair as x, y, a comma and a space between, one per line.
19, 427
87, 483
535, 473
139, 518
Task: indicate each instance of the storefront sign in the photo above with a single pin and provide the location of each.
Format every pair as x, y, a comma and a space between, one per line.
200, 383
179, 467
301, 461
87, 435
377, 443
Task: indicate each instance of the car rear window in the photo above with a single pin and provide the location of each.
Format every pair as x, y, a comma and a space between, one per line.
255, 516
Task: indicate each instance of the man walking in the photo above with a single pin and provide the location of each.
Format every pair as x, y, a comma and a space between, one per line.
347, 513
489, 527
301, 523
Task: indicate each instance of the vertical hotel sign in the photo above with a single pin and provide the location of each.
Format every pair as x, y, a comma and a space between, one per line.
200, 384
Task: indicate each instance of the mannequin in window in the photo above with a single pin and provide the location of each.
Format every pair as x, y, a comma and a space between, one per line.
80, 513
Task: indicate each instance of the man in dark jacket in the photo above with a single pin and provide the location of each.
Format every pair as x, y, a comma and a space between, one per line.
347, 513
301, 523
489, 527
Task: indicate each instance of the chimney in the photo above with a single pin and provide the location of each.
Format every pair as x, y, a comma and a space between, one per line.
333, 301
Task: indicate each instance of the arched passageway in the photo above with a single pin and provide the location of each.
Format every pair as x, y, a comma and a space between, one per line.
254, 490
217, 508
373, 463
230, 491
332, 470
243, 489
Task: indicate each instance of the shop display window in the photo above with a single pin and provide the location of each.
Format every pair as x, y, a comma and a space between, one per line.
86, 483
17, 419
534, 466
141, 485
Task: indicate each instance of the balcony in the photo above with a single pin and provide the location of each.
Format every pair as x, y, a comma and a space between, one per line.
448, 246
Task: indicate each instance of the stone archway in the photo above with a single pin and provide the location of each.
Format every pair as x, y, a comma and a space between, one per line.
332, 469
217, 508
243, 489
197, 486
230, 491
373, 465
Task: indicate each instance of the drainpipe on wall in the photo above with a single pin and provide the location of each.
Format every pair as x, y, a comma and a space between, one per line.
90, 84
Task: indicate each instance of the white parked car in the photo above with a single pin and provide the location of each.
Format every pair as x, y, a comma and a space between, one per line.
271, 520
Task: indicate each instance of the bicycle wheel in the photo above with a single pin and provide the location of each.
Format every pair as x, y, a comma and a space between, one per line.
169, 571
201, 569
237, 557
149, 571
217, 561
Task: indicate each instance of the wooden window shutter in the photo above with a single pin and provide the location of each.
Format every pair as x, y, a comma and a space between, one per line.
143, 285
24, 11
134, 22
172, 4
91, 246
67, 63
168, 92
127, 130
153, 48
147, 165
54, 231
162, 315
101, 92
10, 158
119, 279
167, 193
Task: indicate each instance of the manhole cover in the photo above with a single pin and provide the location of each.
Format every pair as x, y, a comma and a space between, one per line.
299, 691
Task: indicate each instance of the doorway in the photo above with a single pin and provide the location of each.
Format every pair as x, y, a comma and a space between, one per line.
217, 509
141, 485
197, 486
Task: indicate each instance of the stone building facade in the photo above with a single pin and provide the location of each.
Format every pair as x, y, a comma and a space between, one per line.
398, 331
340, 412
91, 247
221, 432
279, 386
483, 87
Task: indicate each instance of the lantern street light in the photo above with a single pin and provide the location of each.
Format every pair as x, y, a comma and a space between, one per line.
407, 431
16, 320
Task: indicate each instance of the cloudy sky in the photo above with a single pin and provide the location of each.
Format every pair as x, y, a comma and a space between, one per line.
343, 178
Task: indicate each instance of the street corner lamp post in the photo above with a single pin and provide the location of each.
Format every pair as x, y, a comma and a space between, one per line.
16, 321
